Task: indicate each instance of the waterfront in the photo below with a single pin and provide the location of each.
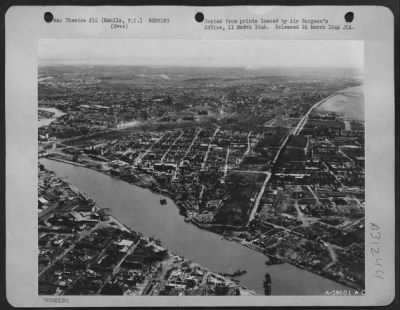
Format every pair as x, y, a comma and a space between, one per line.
46, 121
140, 209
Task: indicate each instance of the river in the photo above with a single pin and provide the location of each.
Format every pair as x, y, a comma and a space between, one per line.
140, 209
46, 121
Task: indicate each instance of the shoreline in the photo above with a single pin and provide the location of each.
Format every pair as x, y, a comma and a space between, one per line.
203, 226
227, 278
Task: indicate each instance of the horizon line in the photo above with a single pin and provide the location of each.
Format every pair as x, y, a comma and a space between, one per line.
56, 63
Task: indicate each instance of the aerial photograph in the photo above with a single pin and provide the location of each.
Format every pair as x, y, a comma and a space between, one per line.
201, 167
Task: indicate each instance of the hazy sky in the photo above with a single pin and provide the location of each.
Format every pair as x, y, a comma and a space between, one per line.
245, 53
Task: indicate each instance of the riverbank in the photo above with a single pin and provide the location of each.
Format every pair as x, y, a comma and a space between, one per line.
237, 240
70, 162
116, 250
244, 291
48, 115
294, 263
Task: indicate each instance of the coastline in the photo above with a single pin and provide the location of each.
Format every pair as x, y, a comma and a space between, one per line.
207, 227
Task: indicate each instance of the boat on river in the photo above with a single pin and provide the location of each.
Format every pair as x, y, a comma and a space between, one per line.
267, 284
236, 273
163, 201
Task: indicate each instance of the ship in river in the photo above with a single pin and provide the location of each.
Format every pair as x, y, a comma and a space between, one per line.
267, 284
236, 273
163, 201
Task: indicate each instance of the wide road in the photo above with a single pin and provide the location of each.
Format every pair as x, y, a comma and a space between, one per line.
303, 120
258, 199
296, 131
226, 163
248, 145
